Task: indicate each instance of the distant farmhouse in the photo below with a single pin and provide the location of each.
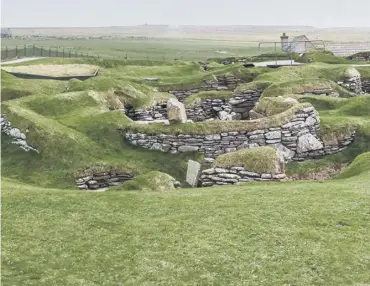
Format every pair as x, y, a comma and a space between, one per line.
6, 33
300, 44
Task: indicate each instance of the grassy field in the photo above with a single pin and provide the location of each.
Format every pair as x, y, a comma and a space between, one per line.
150, 49
146, 233
302, 233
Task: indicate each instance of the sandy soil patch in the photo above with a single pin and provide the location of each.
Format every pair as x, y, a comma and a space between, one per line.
55, 70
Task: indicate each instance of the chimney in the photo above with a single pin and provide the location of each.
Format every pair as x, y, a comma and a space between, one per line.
284, 42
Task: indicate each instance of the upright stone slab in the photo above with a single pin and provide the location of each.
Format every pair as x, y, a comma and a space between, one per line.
176, 112
192, 175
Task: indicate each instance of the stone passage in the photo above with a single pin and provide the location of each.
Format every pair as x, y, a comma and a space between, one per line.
98, 180
297, 137
17, 136
233, 175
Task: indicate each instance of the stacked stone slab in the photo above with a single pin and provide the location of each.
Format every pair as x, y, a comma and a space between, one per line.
298, 137
366, 85
234, 108
322, 91
18, 138
157, 111
234, 175
100, 180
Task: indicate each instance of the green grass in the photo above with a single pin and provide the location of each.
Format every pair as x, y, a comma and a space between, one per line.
301, 233
260, 160
144, 232
325, 57
151, 49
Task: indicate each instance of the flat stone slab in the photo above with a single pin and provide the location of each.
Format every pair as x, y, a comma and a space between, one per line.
193, 173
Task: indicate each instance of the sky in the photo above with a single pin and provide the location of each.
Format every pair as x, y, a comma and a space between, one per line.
97, 13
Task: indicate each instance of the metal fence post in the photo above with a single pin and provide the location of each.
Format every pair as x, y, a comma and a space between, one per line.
16, 51
25, 50
33, 50
6, 52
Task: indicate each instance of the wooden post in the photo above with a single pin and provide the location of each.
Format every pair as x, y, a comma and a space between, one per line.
25, 50
16, 51
6, 52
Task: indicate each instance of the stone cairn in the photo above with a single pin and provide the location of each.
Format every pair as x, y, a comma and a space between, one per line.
352, 81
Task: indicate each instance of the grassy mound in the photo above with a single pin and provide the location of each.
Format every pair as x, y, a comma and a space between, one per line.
153, 181
260, 160
361, 165
273, 105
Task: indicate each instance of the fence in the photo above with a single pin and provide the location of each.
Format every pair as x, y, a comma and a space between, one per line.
9, 53
348, 49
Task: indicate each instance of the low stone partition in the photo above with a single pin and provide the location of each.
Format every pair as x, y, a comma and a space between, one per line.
234, 175
157, 111
323, 91
294, 131
97, 178
18, 138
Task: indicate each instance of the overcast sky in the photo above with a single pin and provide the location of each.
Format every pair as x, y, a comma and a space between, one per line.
97, 13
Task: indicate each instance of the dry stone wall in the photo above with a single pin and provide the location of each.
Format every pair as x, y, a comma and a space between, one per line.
234, 175
98, 180
297, 139
366, 85
225, 82
235, 108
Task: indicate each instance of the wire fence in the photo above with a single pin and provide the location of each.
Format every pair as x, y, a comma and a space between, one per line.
27, 51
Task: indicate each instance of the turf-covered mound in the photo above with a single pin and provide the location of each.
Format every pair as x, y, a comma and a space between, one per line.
66, 71
360, 166
153, 181
260, 160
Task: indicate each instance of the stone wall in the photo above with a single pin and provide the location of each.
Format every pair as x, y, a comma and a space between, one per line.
322, 91
234, 175
15, 134
225, 82
98, 180
234, 108
366, 85
297, 139
155, 112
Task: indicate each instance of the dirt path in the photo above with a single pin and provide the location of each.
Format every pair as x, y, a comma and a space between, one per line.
19, 61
